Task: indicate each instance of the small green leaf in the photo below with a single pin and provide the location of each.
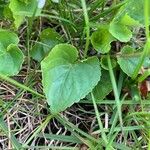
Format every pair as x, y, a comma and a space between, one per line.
129, 59
48, 39
104, 86
11, 57
22, 9
120, 31
130, 15
101, 39
67, 80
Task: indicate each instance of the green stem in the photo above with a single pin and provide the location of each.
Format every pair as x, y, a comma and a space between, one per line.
28, 46
115, 89
104, 137
47, 16
112, 102
87, 26
147, 45
146, 13
53, 147
142, 58
120, 82
115, 119
107, 11
29, 31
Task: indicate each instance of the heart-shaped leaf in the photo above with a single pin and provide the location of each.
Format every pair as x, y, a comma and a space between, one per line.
120, 31
11, 57
120, 27
67, 80
126, 18
48, 39
20, 9
101, 39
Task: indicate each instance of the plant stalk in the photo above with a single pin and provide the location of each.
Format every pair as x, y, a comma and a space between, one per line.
87, 27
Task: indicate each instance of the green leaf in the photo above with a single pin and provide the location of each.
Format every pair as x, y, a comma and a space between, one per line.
135, 10
120, 31
7, 38
128, 62
8, 13
48, 39
21, 9
25, 1
104, 86
131, 14
67, 80
11, 57
104, 63
128, 21
129, 59
121, 28
101, 39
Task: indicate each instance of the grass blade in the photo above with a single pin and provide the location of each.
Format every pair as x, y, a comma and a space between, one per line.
13, 140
